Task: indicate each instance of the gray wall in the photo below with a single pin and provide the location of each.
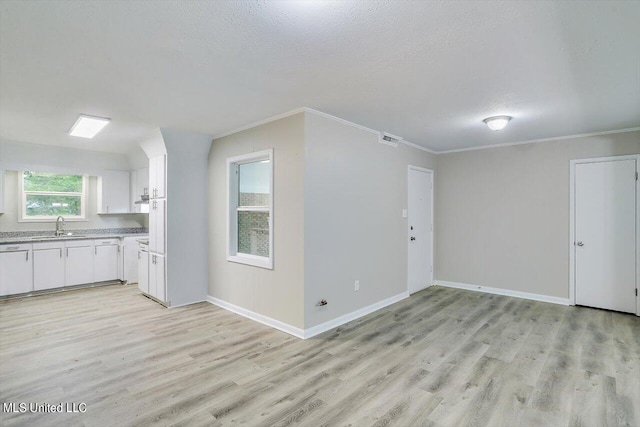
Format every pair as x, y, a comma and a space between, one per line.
276, 293
355, 190
502, 214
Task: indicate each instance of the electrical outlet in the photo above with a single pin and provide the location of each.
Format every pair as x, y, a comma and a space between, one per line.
356, 287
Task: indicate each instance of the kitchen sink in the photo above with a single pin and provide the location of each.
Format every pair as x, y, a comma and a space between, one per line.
73, 236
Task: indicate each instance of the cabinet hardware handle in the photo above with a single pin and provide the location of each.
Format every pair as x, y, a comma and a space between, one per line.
27, 255
13, 248
60, 252
95, 250
67, 252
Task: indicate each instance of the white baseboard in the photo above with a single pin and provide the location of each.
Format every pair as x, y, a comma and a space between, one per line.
334, 323
310, 332
505, 292
284, 327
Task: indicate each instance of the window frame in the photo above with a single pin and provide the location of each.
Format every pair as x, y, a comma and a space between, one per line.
22, 208
233, 186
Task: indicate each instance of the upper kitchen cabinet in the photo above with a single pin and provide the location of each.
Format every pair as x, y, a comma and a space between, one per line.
140, 190
158, 176
113, 192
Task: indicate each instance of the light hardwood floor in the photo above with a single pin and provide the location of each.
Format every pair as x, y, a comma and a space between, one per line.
443, 357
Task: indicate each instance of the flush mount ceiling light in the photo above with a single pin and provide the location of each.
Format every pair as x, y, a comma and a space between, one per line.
88, 126
497, 122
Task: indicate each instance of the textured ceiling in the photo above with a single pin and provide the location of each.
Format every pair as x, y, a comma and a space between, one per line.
426, 71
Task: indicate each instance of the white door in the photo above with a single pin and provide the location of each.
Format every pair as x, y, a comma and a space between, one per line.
605, 236
16, 271
420, 229
48, 268
105, 262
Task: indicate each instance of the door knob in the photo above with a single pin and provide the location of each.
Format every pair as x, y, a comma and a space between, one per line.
580, 244
413, 238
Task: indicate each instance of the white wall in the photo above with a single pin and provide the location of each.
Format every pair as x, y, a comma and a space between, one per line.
355, 191
16, 156
187, 225
276, 293
502, 214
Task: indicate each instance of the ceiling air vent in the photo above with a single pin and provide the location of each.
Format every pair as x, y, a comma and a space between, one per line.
387, 138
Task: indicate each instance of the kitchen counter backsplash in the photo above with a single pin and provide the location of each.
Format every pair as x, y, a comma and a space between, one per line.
88, 232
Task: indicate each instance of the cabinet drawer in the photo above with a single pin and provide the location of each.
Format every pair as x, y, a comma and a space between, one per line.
16, 247
107, 241
78, 243
48, 245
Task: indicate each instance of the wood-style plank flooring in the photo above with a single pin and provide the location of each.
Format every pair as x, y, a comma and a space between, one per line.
443, 357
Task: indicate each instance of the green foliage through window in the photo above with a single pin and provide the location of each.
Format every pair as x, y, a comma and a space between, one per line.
48, 195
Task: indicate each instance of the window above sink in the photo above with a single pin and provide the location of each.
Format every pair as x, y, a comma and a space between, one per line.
45, 196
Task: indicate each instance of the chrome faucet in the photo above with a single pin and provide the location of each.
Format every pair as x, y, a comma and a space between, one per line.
59, 226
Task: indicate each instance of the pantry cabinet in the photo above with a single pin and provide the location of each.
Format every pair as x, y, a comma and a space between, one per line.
158, 176
157, 278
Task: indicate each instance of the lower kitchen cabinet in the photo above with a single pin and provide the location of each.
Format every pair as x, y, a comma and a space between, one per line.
16, 269
157, 278
143, 271
79, 262
105, 260
48, 265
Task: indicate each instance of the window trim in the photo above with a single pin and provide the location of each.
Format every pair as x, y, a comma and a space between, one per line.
22, 214
232, 210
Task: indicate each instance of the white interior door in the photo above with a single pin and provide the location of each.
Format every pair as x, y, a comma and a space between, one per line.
605, 234
420, 229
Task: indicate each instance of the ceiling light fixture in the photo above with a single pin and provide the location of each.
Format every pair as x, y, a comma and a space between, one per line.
88, 126
497, 122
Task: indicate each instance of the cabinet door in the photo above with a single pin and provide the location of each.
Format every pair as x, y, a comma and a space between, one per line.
157, 219
157, 176
48, 268
105, 263
16, 272
130, 260
79, 265
143, 271
153, 276
113, 192
160, 278
142, 182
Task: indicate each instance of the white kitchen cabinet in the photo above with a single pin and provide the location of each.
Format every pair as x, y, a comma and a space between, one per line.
79, 262
105, 260
157, 227
143, 271
129, 260
113, 192
48, 265
158, 176
157, 278
16, 269
139, 187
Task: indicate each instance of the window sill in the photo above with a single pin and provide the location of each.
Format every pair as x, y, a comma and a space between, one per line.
255, 261
53, 220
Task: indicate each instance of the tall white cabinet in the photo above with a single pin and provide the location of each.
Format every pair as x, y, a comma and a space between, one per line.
157, 284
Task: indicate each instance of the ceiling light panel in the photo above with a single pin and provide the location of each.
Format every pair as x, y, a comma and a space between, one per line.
88, 126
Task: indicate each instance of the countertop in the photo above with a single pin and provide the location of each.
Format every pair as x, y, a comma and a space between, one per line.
51, 238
